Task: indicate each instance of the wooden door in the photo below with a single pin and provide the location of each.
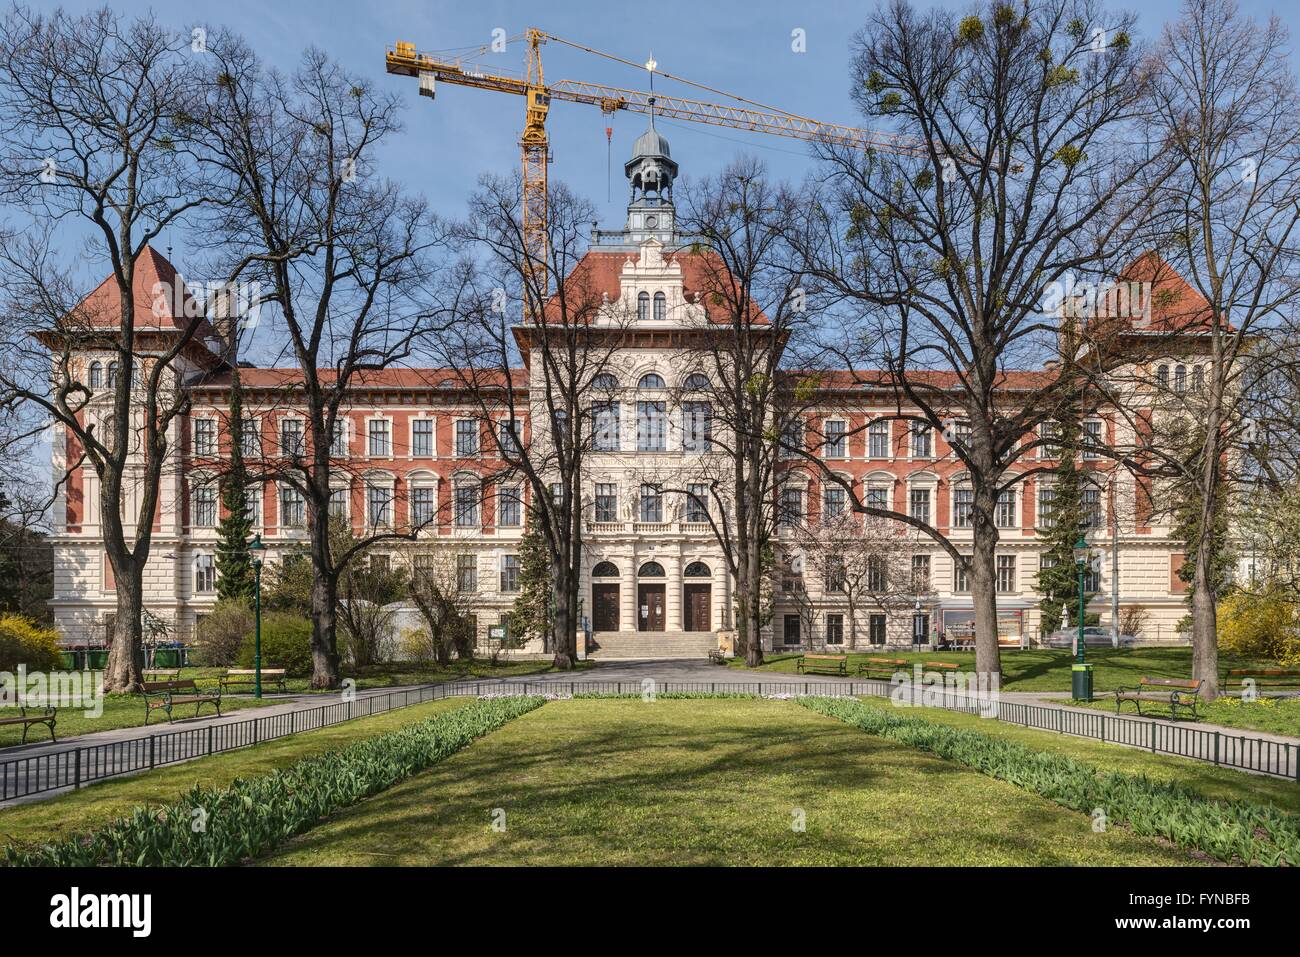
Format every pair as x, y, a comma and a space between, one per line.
695, 607
650, 601
604, 606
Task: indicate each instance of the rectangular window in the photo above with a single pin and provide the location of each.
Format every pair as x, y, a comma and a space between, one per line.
833, 503
651, 427
253, 504
963, 507
339, 438
466, 438
1007, 574
918, 504
510, 507
1091, 440
877, 575
837, 440
422, 438
205, 437
423, 505
697, 426
466, 506
876, 629
510, 573
960, 580
339, 498
205, 506
379, 502
790, 630
1046, 506
205, 574
834, 629
920, 573
1049, 432
878, 496
1006, 510
1090, 505
508, 437
557, 494
466, 573
835, 574
922, 446
604, 427
291, 437
697, 502
792, 439
1092, 576
293, 513
790, 510
652, 504
250, 439
606, 502
878, 439
961, 435
380, 437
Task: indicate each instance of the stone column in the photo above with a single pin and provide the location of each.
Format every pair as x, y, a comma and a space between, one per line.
627, 610
721, 610
673, 597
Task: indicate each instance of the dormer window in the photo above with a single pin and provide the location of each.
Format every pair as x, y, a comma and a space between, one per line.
643, 306
661, 307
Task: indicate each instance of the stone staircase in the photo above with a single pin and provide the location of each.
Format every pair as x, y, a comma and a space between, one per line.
652, 644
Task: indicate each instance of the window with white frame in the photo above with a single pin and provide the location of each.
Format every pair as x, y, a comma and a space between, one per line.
1090, 506
1005, 513
422, 438
961, 435
877, 580
960, 578
604, 426
963, 507
339, 500
250, 438
291, 437
790, 507
465, 505
380, 437
205, 574
834, 502
293, 510
834, 629
606, 502
510, 507
920, 573
1046, 506
339, 438
1050, 433
878, 439
423, 504
205, 506
837, 439
878, 496
697, 426
1006, 574
922, 440
205, 437
652, 503
835, 574
1092, 439
918, 504
379, 506
697, 502
792, 438
508, 436
651, 426
466, 437
253, 505
661, 307
466, 573
510, 573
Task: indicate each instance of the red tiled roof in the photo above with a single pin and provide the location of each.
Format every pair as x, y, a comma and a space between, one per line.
154, 286
1175, 305
392, 378
837, 379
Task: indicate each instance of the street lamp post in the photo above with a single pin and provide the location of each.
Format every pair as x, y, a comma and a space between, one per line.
257, 548
1081, 670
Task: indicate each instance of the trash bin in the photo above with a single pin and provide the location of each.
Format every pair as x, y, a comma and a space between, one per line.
1081, 682
69, 659
167, 658
97, 659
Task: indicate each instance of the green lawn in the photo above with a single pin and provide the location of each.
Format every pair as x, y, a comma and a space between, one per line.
706, 782
1270, 715
97, 804
1046, 670
127, 711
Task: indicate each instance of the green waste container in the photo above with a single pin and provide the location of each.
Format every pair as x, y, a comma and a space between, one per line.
1081, 682
69, 660
97, 660
167, 658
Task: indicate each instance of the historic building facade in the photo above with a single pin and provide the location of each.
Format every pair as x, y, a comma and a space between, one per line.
413, 450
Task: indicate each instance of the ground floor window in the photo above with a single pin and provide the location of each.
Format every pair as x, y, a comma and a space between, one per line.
790, 632
834, 629
876, 629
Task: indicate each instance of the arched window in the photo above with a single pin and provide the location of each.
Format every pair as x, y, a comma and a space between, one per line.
643, 306
112, 376
605, 570
697, 570
1198, 378
96, 375
1180, 378
661, 306
651, 381
604, 381
1162, 377
651, 570
697, 380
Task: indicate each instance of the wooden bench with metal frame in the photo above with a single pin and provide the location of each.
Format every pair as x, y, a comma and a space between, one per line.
45, 716
162, 674
241, 677
836, 664
886, 667
943, 667
717, 657
1265, 677
1175, 692
167, 694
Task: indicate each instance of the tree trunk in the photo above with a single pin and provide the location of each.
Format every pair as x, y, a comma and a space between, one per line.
853, 626
983, 585
565, 634
122, 673
324, 615
754, 599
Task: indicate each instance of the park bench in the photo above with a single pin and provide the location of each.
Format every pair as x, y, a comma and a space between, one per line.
168, 694
43, 716
886, 667
1175, 692
943, 667
162, 674
247, 677
717, 657
832, 664
1265, 677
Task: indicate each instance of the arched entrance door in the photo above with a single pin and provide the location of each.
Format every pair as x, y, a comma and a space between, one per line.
604, 597
697, 597
650, 599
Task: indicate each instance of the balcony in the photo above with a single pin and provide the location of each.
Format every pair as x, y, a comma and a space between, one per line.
599, 529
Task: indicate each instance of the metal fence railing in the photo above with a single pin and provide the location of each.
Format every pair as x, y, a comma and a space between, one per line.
75, 766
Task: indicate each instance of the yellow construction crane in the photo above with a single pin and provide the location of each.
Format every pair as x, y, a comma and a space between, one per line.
429, 68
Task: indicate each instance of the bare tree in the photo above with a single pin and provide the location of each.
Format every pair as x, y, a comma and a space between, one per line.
939, 258
443, 602
345, 261
100, 148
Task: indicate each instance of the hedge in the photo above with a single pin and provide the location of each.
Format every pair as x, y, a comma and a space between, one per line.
1232, 831
286, 643
249, 818
24, 642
